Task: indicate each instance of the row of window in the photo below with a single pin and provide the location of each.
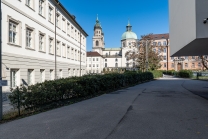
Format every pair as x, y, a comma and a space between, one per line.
61, 21
15, 76
164, 43
116, 60
93, 59
116, 65
62, 49
186, 65
93, 65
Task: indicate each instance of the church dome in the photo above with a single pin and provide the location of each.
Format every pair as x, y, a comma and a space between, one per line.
128, 34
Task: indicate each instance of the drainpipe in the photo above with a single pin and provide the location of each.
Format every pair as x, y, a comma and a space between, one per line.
1, 101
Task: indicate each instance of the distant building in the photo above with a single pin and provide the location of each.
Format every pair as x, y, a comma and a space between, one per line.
113, 58
28, 42
174, 63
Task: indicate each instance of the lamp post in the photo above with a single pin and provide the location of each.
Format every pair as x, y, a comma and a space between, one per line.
56, 41
80, 54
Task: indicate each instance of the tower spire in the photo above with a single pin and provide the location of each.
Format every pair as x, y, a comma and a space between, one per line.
128, 22
97, 16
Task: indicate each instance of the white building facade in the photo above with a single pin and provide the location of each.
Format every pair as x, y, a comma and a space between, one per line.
113, 58
29, 38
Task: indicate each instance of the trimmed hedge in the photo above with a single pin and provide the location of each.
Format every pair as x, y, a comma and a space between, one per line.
52, 92
157, 73
185, 73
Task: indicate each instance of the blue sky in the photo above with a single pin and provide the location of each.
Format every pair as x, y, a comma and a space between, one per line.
146, 16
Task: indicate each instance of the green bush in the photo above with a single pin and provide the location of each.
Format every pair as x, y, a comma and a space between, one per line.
185, 73
157, 73
52, 92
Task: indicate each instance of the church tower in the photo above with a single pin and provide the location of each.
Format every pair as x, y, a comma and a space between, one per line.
98, 38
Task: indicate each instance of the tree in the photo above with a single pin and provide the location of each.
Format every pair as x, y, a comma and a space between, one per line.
139, 57
204, 61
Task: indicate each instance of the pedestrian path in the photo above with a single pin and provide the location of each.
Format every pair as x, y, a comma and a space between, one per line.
160, 109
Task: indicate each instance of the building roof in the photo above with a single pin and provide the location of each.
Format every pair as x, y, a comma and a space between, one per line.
160, 36
72, 17
93, 54
112, 49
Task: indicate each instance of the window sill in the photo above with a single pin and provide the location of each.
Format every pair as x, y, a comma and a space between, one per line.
64, 31
14, 44
51, 54
68, 58
42, 51
30, 7
64, 56
30, 48
42, 16
58, 55
58, 27
68, 35
51, 22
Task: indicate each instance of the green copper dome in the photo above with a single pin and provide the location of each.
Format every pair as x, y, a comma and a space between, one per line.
128, 34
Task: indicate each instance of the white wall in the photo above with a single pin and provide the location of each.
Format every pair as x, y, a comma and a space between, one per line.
20, 57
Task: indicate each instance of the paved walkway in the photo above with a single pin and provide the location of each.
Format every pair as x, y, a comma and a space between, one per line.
161, 109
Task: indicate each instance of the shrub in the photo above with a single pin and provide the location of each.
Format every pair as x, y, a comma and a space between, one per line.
185, 73
157, 73
52, 92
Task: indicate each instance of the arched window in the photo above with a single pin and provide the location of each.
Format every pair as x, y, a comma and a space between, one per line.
97, 43
106, 54
116, 59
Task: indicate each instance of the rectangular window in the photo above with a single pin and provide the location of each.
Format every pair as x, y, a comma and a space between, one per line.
69, 72
164, 57
199, 64
75, 55
57, 20
29, 38
159, 43
12, 32
41, 42
164, 50
14, 77
116, 64
50, 45
89, 65
193, 65
164, 65
30, 77
72, 53
28, 3
41, 4
42, 75
93, 65
58, 49
68, 52
172, 65
63, 50
97, 65
97, 59
164, 43
51, 75
154, 43
186, 65
50, 14
93, 59
60, 74
68, 28
63, 25
193, 57
105, 60
106, 65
